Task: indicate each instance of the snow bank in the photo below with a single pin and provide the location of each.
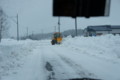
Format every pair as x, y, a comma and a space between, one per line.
107, 46
11, 52
104, 49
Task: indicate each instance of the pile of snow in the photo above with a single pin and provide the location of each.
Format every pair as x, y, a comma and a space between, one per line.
103, 49
11, 54
107, 46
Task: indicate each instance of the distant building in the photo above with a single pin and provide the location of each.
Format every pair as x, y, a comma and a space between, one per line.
115, 30
101, 30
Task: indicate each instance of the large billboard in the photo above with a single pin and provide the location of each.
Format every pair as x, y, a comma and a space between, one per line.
81, 8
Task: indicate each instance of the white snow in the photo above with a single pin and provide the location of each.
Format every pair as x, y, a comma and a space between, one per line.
79, 57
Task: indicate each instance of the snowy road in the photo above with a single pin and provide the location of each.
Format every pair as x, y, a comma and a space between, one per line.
62, 66
63, 62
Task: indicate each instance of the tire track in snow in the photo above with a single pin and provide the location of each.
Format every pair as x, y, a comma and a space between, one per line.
60, 69
49, 68
52, 65
62, 66
77, 68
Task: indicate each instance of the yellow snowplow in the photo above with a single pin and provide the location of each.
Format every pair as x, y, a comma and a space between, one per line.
57, 38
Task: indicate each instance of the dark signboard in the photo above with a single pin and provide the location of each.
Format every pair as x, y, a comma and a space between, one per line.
81, 8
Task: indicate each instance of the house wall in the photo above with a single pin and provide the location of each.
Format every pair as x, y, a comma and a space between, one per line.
103, 32
97, 33
116, 31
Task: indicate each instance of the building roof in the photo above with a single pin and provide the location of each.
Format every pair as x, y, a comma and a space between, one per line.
99, 28
115, 27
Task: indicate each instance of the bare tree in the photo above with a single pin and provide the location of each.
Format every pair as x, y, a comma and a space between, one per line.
3, 24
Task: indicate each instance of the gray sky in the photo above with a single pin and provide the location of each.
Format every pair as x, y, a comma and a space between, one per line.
37, 16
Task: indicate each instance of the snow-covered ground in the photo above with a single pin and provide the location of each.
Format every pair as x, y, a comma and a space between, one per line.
79, 57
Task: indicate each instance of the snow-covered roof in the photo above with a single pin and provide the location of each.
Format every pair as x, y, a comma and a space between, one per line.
115, 27
99, 28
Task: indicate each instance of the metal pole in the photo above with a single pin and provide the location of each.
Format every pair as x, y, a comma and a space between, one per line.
55, 28
1, 29
17, 29
0, 32
58, 24
27, 32
32, 33
76, 26
76, 11
42, 34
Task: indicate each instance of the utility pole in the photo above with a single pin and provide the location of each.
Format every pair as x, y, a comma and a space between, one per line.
55, 28
27, 32
17, 29
76, 11
42, 34
32, 33
16, 22
59, 24
76, 26
1, 23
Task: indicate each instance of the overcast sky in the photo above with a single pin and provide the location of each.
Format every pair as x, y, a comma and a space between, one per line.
37, 16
